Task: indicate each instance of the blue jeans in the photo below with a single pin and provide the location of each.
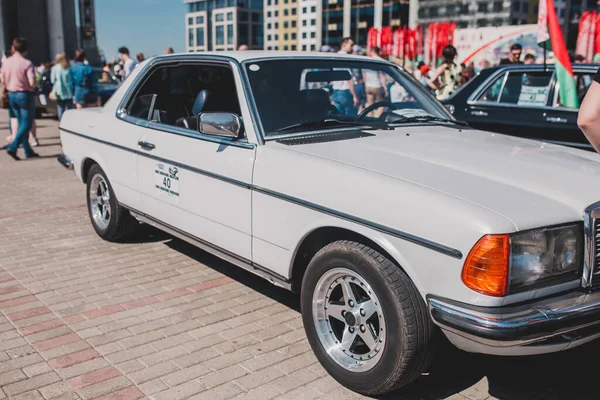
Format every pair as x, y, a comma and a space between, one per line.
63, 105
22, 105
344, 102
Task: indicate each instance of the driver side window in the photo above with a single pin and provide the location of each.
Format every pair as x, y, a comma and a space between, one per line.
175, 95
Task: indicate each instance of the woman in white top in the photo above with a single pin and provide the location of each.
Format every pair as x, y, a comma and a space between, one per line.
447, 77
375, 85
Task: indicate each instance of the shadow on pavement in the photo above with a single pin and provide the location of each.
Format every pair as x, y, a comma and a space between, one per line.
254, 282
568, 375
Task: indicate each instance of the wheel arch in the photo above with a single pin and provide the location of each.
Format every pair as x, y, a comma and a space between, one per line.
86, 165
319, 237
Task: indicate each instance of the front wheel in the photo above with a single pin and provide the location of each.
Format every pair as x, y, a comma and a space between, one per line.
364, 319
111, 221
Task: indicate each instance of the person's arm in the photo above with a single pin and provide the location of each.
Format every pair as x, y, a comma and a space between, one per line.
383, 81
589, 115
31, 75
432, 83
353, 92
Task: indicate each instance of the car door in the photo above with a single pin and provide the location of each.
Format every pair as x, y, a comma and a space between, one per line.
513, 103
194, 183
561, 121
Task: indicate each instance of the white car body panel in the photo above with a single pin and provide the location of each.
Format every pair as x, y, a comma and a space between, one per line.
208, 208
432, 182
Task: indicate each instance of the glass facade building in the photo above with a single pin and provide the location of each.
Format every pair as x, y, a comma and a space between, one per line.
224, 24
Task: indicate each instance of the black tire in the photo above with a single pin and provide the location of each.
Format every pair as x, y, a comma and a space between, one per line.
409, 344
120, 222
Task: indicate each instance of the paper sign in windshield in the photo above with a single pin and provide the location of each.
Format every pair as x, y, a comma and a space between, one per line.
533, 96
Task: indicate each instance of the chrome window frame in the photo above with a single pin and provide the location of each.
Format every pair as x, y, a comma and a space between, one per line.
582, 71
474, 98
161, 61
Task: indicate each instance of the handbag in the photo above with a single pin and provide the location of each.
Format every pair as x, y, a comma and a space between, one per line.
4, 104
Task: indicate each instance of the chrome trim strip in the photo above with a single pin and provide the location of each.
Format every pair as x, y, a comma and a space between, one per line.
440, 248
226, 255
501, 87
178, 164
187, 133
589, 233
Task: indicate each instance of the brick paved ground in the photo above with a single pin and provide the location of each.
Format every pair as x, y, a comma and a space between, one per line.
155, 318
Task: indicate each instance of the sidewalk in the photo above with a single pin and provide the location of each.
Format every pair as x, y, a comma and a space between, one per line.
156, 318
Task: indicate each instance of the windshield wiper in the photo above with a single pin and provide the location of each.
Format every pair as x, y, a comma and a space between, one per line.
430, 118
332, 121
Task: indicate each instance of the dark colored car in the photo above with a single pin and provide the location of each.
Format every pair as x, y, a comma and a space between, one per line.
523, 100
106, 85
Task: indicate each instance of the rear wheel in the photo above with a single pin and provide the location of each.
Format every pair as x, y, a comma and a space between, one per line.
111, 221
364, 319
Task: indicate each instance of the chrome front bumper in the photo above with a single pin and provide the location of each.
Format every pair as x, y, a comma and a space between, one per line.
547, 325
65, 161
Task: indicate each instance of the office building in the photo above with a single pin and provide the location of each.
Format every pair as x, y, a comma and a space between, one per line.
292, 24
353, 18
478, 13
213, 25
49, 26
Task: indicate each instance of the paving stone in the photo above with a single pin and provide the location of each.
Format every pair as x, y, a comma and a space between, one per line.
31, 383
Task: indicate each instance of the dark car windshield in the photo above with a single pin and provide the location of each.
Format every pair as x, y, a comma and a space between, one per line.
294, 95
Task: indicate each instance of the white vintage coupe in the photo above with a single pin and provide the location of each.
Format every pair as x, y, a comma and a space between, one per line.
393, 221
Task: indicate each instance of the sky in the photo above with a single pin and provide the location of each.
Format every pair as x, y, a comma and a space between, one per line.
146, 26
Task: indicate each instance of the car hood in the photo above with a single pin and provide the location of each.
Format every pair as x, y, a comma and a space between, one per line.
528, 182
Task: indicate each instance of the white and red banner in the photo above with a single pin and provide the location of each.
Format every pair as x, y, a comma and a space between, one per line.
588, 37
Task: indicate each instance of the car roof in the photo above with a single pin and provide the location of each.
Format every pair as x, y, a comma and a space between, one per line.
245, 55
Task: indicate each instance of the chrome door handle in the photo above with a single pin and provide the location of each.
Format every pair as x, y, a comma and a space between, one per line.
146, 145
479, 113
556, 120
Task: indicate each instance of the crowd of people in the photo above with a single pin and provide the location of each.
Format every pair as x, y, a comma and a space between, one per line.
446, 77
73, 85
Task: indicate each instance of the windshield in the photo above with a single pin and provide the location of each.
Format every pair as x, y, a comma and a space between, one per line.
298, 95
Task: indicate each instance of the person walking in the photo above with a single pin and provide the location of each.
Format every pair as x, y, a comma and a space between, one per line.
82, 80
129, 63
18, 74
344, 93
375, 85
447, 76
60, 77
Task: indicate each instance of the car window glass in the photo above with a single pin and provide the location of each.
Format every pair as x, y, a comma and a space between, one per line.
526, 89
175, 95
493, 92
583, 81
306, 92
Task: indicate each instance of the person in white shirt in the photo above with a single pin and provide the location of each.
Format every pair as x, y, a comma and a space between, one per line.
344, 93
129, 63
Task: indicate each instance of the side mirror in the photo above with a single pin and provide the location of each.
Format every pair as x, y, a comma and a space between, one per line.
220, 124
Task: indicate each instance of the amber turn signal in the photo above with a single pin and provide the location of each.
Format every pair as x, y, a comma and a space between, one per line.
486, 268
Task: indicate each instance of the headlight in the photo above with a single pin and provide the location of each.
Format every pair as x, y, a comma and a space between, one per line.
502, 264
544, 256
